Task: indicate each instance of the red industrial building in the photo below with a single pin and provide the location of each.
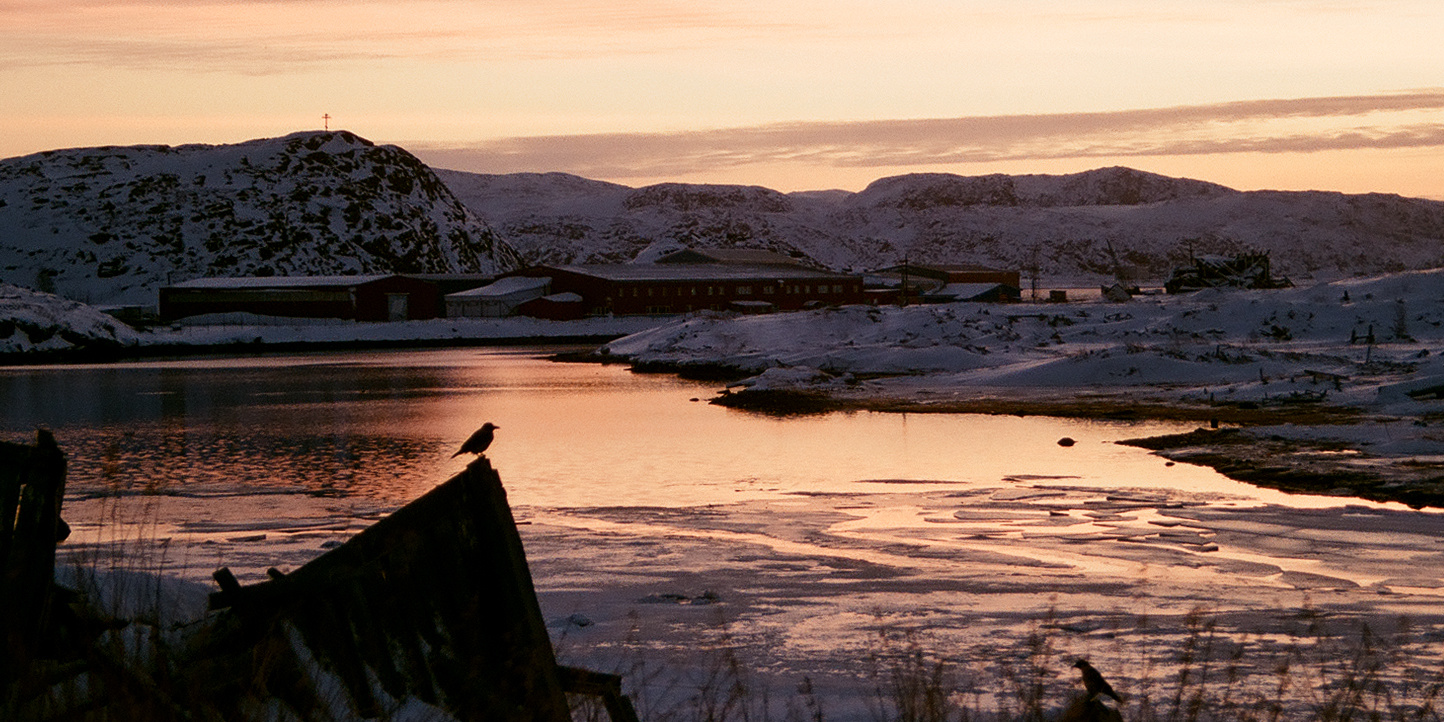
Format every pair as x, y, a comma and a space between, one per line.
625, 289
360, 298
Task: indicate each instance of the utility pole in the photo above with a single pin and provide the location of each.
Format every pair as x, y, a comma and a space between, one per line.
1033, 270
903, 300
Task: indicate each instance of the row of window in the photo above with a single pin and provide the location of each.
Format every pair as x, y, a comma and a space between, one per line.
737, 290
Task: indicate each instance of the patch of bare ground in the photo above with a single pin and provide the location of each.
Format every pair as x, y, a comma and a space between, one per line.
1117, 407
1310, 466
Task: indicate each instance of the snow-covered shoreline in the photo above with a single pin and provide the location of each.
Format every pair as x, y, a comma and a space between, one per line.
1341, 377
272, 332
43, 328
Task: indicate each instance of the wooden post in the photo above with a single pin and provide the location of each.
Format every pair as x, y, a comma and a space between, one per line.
32, 487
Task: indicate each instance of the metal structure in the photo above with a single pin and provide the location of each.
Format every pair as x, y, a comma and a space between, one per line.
1245, 270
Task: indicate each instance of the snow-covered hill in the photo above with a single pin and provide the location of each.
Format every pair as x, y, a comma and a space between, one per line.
561, 218
1086, 226
110, 225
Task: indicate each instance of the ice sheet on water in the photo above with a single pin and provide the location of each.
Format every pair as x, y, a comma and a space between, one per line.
906, 481
998, 515
1305, 580
1027, 494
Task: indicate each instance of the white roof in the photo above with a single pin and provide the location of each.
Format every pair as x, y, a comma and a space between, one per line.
503, 287
684, 272
280, 281
965, 290
567, 297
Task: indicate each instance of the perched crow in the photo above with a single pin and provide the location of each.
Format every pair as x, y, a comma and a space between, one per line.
480, 440
1094, 682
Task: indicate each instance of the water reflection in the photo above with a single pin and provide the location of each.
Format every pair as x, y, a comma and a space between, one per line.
383, 425
323, 424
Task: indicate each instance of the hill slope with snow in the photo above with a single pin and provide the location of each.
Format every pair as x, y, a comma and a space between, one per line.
112, 224
1085, 226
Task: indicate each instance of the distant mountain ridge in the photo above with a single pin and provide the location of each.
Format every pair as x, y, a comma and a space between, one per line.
112, 224
1090, 226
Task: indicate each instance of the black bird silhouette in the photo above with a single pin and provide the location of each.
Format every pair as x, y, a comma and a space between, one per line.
478, 441
1094, 682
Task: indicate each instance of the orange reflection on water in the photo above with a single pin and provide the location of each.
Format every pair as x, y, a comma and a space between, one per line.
383, 426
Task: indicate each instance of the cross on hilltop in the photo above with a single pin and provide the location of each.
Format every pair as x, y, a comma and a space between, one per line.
327, 120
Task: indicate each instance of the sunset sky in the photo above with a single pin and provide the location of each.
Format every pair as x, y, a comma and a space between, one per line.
1341, 95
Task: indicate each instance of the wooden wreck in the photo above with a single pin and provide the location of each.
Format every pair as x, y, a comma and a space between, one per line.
433, 603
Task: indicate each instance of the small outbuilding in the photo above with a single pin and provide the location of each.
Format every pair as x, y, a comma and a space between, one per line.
952, 273
555, 307
361, 298
497, 299
979, 292
933, 283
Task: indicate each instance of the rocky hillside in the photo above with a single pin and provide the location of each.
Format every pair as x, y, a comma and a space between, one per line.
111, 225
561, 218
1086, 226
45, 326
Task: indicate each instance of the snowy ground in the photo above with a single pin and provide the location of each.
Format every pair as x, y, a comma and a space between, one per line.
835, 589
1348, 372
43, 327
830, 590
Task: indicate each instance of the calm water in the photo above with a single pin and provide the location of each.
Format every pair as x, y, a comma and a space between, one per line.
381, 426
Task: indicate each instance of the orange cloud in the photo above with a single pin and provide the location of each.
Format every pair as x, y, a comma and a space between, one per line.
261, 37
1270, 126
